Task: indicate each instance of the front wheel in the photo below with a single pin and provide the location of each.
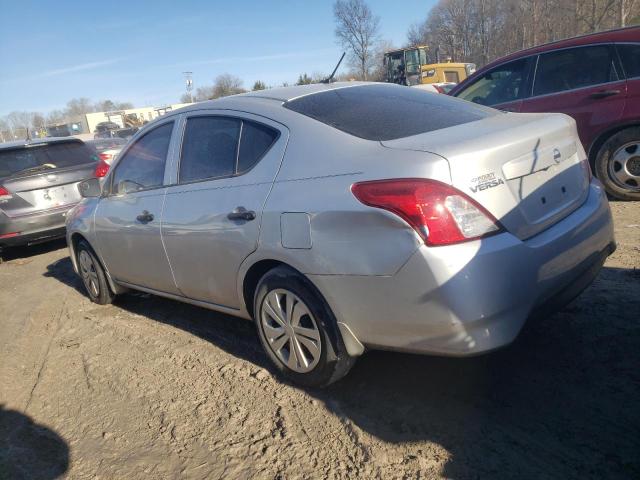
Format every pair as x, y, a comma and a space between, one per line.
618, 165
93, 276
298, 330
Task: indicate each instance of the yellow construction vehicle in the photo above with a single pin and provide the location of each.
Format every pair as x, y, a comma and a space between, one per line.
414, 66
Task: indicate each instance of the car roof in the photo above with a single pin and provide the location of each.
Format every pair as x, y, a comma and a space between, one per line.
278, 94
627, 34
37, 141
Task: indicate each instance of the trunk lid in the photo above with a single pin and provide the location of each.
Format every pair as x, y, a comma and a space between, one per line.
43, 177
523, 168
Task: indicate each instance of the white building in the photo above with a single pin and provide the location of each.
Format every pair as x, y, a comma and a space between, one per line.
141, 115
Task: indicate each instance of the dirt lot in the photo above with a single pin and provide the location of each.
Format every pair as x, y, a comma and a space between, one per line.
151, 388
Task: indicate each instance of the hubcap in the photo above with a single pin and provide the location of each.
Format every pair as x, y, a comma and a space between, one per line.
88, 273
624, 166
291, 331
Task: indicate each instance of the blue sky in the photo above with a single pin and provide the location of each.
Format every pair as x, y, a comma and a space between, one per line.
52, 51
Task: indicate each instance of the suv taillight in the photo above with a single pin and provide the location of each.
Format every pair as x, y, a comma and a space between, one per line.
101, 169
4, 193
441, 214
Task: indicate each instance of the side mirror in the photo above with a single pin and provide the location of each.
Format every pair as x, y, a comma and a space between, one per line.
90, 188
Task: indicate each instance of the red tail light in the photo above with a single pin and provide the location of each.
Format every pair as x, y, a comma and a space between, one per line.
4, 192
105, 156
438, 88
101, 169
439, 213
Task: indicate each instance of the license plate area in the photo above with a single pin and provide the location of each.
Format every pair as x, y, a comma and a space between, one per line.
52, 197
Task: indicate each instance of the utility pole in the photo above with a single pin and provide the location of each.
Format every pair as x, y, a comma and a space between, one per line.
188, 78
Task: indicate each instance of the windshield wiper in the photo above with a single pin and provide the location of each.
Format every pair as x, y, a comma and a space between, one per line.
39, 168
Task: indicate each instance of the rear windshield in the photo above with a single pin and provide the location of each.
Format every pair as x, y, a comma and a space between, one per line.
386, 112
59, 155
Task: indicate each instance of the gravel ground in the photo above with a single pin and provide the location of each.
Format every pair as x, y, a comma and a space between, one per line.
151, 388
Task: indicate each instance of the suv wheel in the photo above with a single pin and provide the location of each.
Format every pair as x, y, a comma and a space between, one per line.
298, 330
93, 276
618, 165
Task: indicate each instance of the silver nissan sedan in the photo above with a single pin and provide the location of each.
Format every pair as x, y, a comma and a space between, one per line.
347, 217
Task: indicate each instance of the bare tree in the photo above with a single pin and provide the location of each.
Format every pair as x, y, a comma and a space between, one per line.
227, 84
625, 9
358, 31
481, 30
55, 116
203, 93
76, 107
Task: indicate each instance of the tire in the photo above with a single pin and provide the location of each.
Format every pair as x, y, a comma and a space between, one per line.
309, 323
617, 164
92, 274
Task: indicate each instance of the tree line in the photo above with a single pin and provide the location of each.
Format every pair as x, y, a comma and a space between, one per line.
480, 31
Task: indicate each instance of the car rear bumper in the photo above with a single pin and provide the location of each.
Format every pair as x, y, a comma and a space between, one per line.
34, 228
474, 297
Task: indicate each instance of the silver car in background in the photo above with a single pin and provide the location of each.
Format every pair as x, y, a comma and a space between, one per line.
349, 216
38, 185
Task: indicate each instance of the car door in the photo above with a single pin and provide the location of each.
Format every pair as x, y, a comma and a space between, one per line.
582, 82
630, 58
212, 215
503, 87
127, 219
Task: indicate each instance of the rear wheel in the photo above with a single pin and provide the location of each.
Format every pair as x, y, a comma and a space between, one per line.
298, 330
93, 276
618, 165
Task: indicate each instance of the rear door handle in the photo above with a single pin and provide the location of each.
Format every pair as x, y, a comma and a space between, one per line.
241, 213
604, 94
145, 217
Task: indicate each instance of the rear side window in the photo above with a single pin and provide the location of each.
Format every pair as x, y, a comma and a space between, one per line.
503, 84
386, 112
630, 56
59, 155
574, 68
143, 164
255, 140
216, 146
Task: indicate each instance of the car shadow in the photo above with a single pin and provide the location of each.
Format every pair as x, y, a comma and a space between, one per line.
29, 450
27, 251
564, 397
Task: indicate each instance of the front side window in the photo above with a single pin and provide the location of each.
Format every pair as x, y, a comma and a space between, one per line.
216, 147
630, 56
574, 68
209, 148
143, 164
502, 84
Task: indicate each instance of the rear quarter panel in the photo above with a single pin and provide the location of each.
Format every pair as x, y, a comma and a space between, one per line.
346, 237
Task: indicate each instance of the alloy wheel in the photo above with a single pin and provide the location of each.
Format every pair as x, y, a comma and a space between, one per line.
290, 330
624, 166
88, 273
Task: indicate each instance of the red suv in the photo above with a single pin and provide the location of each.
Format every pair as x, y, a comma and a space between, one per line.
595, 79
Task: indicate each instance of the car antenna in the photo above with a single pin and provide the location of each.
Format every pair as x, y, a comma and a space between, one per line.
330, 77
